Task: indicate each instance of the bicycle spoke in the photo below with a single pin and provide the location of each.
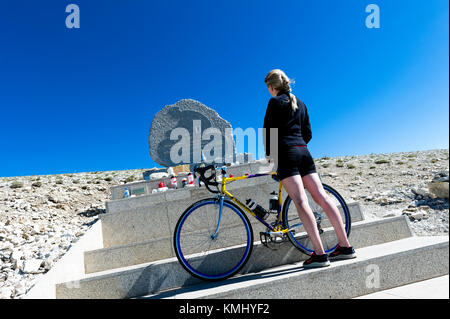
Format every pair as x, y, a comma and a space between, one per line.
208, 257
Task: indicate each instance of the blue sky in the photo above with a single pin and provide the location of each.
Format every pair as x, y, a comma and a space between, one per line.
78, 100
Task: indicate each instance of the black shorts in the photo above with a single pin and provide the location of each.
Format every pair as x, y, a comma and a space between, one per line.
295, 160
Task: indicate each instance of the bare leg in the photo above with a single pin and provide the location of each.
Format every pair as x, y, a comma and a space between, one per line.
314, 186
294, 187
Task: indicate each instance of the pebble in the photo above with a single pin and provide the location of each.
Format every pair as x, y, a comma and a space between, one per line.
32, 266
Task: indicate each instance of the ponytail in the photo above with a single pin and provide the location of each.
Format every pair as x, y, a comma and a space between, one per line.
293, 102
279, 81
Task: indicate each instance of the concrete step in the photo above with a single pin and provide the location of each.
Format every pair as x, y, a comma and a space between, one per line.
150, 217
153, 277
376, 268
162, 248
435, 288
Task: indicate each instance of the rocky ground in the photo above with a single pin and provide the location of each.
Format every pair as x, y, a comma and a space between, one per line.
42, 216
393, 184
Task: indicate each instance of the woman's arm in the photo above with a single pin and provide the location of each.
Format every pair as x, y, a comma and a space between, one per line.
269, 122
306, 127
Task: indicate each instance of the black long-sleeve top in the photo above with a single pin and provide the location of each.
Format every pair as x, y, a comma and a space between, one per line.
293, 127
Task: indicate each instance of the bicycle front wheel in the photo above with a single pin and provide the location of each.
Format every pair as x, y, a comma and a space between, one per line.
298, 236
212, 244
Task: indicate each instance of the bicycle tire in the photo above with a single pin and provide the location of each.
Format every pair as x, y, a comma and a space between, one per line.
228, 256
299, 237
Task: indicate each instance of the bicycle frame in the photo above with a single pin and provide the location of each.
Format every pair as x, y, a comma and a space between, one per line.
277, 229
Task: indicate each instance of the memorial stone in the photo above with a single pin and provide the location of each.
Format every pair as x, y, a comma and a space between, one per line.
189, 132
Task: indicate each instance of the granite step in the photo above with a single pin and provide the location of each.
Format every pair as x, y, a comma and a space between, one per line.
153, 277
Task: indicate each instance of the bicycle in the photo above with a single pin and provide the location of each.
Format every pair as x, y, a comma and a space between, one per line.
213, 238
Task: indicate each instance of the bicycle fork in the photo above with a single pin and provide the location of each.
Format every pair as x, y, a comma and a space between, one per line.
216, 232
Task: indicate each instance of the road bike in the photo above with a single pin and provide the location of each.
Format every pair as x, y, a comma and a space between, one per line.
213, 238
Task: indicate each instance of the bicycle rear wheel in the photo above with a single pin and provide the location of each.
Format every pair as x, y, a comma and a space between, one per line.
213, 246
298, 236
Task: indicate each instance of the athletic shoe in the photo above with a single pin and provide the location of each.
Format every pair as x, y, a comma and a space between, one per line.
341, 253
316, 261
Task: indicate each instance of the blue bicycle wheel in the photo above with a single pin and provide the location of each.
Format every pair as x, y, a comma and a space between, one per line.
211, 245
298, 236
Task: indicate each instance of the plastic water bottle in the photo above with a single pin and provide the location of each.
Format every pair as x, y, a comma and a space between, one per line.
126, 192
273, 203
162, 187
173, 181
190, 179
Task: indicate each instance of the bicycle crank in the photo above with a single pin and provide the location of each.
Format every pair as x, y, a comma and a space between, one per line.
272, 240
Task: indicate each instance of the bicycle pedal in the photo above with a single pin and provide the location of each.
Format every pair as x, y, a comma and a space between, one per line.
271, 242
263, 238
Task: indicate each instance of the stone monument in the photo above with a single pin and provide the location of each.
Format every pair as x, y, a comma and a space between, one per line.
189, 132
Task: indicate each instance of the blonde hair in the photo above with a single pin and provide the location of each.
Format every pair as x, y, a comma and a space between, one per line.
280, 82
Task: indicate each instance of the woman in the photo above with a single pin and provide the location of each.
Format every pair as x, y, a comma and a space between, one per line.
295, 166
